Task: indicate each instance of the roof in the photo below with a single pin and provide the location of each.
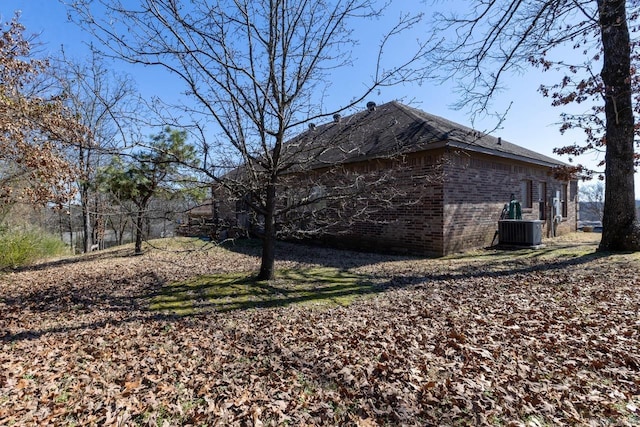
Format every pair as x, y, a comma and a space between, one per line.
394, 128
203, 210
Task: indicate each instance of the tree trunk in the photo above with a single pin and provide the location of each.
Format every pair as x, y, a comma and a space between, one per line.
61, 224
269, 238
123, 228
139, 224
618, 223
73, 244
83, 160
86, 219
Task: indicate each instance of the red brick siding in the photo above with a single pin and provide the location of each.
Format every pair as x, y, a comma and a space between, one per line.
476, 188
414, 224
456, 213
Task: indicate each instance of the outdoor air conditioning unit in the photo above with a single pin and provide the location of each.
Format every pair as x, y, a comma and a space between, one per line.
520, 232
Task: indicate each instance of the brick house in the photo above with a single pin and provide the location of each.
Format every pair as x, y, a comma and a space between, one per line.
197, 221
459, 210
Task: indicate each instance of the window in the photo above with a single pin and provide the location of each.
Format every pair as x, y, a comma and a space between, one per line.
564, 201
526, 198
542, 200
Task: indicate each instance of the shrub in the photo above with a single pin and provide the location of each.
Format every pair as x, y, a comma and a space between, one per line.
24, 246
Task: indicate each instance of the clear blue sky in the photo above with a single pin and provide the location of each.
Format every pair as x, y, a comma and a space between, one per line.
531, 121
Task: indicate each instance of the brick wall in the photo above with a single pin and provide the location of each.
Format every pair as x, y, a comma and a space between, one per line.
443, 203
413, 223
462, 210
477, 188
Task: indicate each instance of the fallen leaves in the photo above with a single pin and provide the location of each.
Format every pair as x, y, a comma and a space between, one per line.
544, 341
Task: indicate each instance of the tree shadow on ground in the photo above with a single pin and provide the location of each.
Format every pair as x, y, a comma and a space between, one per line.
77, 259
99, 301
115, 299
335, 285
316, 254
227, 292
556, 255
503, 268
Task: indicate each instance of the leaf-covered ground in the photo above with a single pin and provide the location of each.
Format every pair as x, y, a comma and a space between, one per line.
538, 338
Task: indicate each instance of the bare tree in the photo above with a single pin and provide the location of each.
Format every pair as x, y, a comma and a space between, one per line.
494, 38
256, 67
592, 201
105, 102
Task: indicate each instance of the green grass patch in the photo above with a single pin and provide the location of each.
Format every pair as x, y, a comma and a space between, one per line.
544, 254
22, 247
240, 291
566, 247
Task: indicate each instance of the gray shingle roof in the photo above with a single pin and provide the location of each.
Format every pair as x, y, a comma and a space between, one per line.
394, 127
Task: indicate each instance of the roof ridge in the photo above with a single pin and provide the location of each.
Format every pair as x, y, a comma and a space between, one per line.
394, 124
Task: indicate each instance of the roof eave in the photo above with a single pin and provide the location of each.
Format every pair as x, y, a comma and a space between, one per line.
497, 153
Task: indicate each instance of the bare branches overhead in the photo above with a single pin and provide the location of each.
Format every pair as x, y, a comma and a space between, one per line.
496, 37
254, 67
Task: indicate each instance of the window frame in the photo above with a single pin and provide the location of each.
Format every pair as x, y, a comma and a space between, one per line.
526, 194
542, 200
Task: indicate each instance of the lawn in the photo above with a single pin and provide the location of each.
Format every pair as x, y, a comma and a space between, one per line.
183, 335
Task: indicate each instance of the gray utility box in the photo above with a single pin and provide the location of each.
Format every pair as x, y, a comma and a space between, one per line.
520, 232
